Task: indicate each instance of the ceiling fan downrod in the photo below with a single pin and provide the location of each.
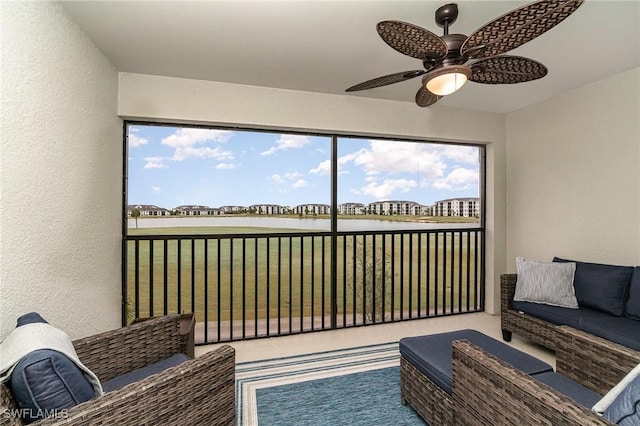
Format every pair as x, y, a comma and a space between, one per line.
446, 15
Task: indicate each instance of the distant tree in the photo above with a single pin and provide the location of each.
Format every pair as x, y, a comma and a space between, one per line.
135, 213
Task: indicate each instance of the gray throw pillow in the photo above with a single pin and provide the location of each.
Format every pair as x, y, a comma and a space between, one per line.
545, 282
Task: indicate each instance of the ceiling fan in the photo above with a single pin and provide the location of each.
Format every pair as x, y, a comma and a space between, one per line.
445, 58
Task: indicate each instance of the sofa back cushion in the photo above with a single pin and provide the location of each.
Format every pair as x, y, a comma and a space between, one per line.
599, 286
633, 302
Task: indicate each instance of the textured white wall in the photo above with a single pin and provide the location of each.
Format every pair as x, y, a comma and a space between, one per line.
60, 174
573, 175
147, 97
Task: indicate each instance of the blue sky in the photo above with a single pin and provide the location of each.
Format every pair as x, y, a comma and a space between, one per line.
172, 166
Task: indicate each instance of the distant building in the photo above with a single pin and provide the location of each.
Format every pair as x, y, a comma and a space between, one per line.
312, 209
397, 208
268, 209
351, 209
232, 209
148, 210
462, 207
196, 210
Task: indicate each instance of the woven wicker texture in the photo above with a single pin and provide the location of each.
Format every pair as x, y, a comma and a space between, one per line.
386, 79
527, 326
427, 398
199, 391
518, 27
596, 363
506, 70
425, 98
487, 390
412, 40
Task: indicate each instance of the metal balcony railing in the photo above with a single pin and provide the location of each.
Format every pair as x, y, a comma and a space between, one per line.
262, 285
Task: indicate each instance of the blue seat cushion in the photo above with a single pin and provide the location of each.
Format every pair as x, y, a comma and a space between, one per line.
553, 314
622, 330
599, 286
46, 380
632, 309
583, 396
432, 355
144, 372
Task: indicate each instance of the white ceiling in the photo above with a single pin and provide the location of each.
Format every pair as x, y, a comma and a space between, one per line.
326, 46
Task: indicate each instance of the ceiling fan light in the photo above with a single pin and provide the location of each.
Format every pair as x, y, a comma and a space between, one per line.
446, 80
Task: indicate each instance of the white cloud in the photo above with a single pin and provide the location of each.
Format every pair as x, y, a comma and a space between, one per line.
287, 142
293, 175
277, 178
135, 141
154, 163
390, 157
188, 137
187, 143
156, 190
216, 153
226, 166
300, 183
459, 179
384, 190
323, 168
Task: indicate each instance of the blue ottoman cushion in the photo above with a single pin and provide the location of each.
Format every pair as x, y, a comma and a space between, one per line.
432, 355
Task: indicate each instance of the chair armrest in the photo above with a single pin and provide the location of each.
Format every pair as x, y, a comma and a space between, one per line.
198, 391
507, 290
119, 351
487, 390
592, 361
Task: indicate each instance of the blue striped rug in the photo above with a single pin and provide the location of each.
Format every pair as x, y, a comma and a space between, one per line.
357, 386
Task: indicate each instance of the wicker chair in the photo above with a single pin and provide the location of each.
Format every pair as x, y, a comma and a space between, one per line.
486, 390
198, 391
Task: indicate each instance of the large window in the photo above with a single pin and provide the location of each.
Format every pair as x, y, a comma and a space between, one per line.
263, 233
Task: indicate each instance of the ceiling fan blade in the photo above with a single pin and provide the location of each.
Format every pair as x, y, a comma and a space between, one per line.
517, 27
506, 70
385, 80
412, 40
425, 98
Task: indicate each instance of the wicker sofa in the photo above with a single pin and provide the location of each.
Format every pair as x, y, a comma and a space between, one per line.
612, 310
487, 390
198, 391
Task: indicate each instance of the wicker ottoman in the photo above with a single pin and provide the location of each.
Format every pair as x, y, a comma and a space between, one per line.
426, 376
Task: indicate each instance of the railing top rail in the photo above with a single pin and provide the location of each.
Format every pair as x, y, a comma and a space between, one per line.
296, 234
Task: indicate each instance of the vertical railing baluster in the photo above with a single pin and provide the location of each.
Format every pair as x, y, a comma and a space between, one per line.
410, 275
419, 277
436, 249
244, 287
393, 277
402, 276
313, 281
231, 292
193, 277
165, 283
205, 290
256, 295
301, 284
268, 290
151, 283
384, 277
136, 283
428, 272
179, 272
279, 273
